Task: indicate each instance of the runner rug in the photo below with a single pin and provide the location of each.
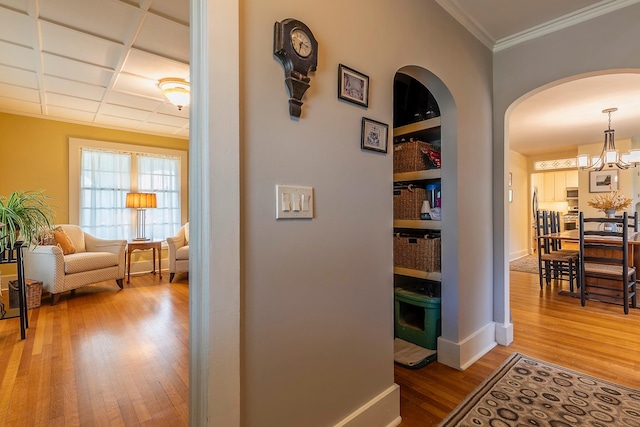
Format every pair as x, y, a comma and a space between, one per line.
525, 391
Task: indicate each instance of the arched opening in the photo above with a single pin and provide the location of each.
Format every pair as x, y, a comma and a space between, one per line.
567, 112
448, 180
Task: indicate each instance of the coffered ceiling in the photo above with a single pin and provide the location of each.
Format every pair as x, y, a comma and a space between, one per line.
95, 61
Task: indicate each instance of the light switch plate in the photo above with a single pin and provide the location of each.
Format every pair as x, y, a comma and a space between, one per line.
294, 202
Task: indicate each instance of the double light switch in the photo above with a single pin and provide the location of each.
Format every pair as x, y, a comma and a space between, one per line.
294, 202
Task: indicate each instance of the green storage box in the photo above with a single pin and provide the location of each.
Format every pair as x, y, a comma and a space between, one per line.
417, 318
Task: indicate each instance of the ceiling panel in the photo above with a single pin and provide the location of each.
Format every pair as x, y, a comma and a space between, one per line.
176, 10
70, 114
72, 103
68, 87
18, 77
19, 92
18, 56
164, 37
18, 106
152, 66
133, 101
58, 66
122, 111
79, 46
106, 18
17, 28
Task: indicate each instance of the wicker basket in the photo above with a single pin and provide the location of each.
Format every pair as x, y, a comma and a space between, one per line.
34, 293
408, 156
407, 202
417, 253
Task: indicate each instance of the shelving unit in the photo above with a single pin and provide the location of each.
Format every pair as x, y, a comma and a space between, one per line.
426, 131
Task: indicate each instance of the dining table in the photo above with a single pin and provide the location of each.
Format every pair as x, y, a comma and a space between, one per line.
574, 237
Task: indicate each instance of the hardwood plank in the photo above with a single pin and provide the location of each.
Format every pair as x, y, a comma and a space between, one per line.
597, 339
104, 356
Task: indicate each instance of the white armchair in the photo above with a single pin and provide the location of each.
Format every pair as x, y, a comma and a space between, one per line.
93, 260
179, 252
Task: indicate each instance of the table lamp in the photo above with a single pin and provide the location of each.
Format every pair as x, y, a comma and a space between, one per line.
141, 202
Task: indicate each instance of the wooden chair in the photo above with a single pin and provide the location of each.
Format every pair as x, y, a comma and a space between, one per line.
554, 263
605, 270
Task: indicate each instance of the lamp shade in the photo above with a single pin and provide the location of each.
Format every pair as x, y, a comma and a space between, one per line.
176, 91
141, 200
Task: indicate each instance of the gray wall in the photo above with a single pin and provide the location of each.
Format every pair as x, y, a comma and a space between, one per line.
317, 301
604, 45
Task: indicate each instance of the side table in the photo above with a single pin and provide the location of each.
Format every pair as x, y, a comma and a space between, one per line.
135, 245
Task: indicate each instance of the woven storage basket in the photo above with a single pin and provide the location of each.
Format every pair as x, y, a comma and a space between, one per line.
34, 294
417, 253
407, 202
408, 157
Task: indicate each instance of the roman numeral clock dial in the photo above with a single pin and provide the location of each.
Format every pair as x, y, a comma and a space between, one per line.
297, 49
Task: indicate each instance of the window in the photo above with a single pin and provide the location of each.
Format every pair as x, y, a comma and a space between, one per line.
102, 173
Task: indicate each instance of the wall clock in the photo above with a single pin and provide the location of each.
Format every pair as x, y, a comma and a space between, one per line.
297, 49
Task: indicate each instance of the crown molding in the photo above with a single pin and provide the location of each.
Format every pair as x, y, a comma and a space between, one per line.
453, 8
568, 20
590, 12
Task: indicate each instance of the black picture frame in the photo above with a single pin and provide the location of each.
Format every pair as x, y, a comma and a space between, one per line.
375, 135
603, 181
353, 86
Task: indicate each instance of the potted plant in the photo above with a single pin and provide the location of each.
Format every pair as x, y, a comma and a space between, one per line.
24, 215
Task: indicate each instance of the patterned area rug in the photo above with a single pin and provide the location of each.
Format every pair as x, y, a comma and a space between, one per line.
525, 391
528, 264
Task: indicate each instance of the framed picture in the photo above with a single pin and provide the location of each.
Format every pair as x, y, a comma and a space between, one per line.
603, 181
353, 86
374, 135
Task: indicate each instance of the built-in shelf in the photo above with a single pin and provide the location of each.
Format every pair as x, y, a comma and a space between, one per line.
419, 274
417, 127
417, 224
418, 175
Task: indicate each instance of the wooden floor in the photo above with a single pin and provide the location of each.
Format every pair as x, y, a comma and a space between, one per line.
120, 357
105, 356
597, 339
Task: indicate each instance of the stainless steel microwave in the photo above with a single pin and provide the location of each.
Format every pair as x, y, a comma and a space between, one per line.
572, 193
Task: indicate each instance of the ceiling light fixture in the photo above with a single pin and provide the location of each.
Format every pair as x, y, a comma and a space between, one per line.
609, 155
175, 90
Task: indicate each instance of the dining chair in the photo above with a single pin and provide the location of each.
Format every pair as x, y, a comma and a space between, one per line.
553, 263
605, 271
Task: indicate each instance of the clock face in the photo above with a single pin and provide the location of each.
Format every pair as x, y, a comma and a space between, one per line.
301, 42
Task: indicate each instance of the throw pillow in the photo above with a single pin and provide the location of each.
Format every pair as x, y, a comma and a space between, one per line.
47, 238
186, 233
64, 241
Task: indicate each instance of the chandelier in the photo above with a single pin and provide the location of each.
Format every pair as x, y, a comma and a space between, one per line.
609, 155
175, 90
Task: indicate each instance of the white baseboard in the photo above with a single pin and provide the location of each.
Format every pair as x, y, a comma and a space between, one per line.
504, 333
4, 283
519, 254
381, 411
141, 267
465, 353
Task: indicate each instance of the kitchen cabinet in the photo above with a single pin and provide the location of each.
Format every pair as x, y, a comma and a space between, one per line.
572, 179
552, 186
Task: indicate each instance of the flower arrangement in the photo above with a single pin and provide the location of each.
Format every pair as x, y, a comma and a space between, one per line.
610, 201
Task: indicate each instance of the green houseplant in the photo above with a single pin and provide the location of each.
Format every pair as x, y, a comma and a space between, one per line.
24, 215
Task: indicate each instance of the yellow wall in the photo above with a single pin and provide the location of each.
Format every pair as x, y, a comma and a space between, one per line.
35, 155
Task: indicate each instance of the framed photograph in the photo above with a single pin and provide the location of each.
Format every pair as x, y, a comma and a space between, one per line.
353, 86
603, 181
374, 135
